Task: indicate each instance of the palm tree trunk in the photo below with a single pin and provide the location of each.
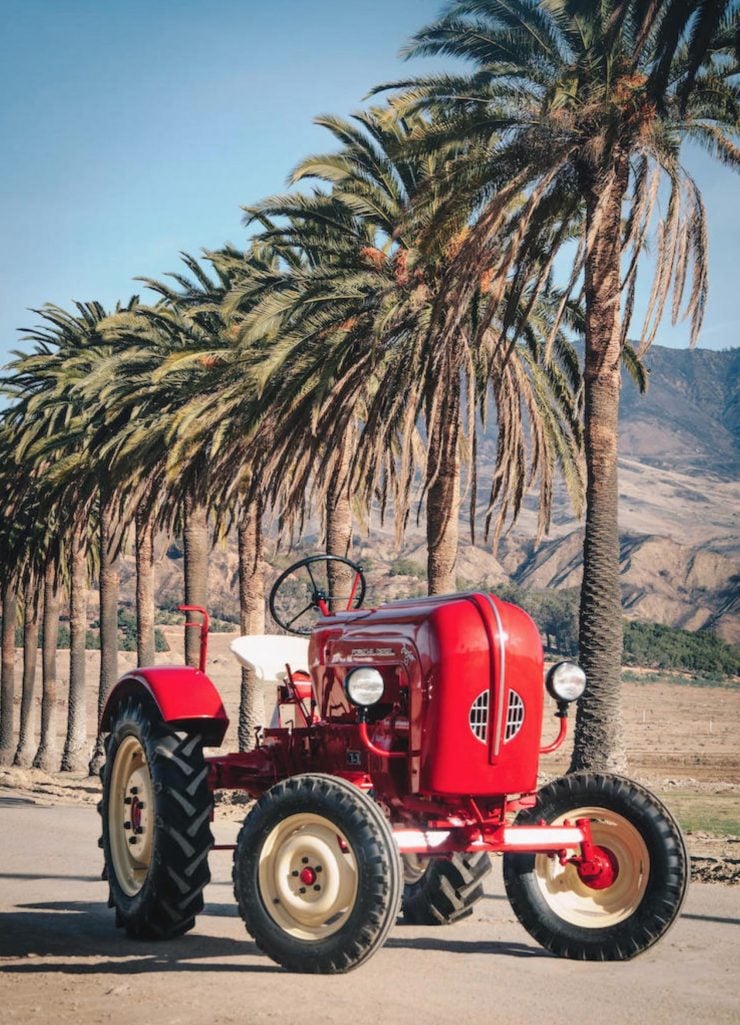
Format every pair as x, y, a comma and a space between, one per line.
443, 492
599, 728
75, 756
25, 750
108, 590
7, 672
144, 589
47, 755
196, 570
339, 525
251, 618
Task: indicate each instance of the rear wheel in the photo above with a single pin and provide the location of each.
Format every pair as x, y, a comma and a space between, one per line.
439, 891
621, 911
317, 875
156, 823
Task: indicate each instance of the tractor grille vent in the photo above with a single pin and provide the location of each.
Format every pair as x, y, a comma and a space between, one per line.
478, 717
514, 716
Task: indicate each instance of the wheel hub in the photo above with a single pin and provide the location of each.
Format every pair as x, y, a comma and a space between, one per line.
600, 870
308, 876
131, 801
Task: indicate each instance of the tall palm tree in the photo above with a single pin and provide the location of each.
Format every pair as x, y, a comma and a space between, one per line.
215, 423
30, 551
8, 597
10, 529
30, 543
58, 428
584, 107
47, 753
183, 382
75, 753
355, 338
26, 730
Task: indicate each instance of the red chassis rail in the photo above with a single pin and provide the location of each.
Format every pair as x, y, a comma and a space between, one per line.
441, 831
497, 840
537, 839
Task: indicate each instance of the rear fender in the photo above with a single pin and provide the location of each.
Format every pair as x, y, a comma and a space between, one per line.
185, 699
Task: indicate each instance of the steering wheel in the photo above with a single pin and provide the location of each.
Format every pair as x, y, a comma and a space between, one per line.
308, 586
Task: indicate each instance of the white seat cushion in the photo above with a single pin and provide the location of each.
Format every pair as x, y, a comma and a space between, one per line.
268, 654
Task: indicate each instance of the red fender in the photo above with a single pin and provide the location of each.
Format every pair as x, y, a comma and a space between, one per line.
185, 698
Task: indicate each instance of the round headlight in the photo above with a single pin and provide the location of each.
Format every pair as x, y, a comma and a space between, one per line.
364, 686
565, 681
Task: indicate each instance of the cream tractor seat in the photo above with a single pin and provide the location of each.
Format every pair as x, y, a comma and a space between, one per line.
267, 655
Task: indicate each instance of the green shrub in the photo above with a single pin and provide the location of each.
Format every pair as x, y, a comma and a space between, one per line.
407, 568
666, 647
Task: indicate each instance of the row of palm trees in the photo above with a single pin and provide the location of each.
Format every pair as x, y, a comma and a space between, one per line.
346, 361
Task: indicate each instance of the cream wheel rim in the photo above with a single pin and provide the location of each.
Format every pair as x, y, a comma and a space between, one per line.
130, 816
308, 876
573, 900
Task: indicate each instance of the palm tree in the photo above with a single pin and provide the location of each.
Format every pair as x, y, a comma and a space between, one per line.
183, 382
30, 552
145, 629
75, 754
7, 677
58, 427
26, 730
30, 544
215, 424
10, 529
354, 339
47, 753
583, 108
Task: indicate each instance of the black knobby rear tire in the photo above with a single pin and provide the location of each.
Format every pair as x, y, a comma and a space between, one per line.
317, 875
155, 792
447, 889
652, 870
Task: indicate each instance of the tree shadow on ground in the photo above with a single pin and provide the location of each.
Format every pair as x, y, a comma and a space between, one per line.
712, 918
81, 929
451, 946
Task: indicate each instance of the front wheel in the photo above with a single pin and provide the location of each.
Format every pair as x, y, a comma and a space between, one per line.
623, 911
156, 823
317, 875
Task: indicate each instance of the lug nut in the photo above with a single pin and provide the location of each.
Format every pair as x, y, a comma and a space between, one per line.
317, 887
139, 830
304, 861
318, 868
127, 825
302, 889
294, 872
134, 790
132, 840
127, 800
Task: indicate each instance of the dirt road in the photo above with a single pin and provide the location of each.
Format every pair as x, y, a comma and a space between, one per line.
62, 960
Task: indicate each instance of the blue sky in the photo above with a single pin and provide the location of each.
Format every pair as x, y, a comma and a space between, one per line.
133, 129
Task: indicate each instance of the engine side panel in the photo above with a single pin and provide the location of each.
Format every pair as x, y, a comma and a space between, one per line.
467, 670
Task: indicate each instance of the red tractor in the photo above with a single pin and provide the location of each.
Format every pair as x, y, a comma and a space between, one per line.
403, 751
